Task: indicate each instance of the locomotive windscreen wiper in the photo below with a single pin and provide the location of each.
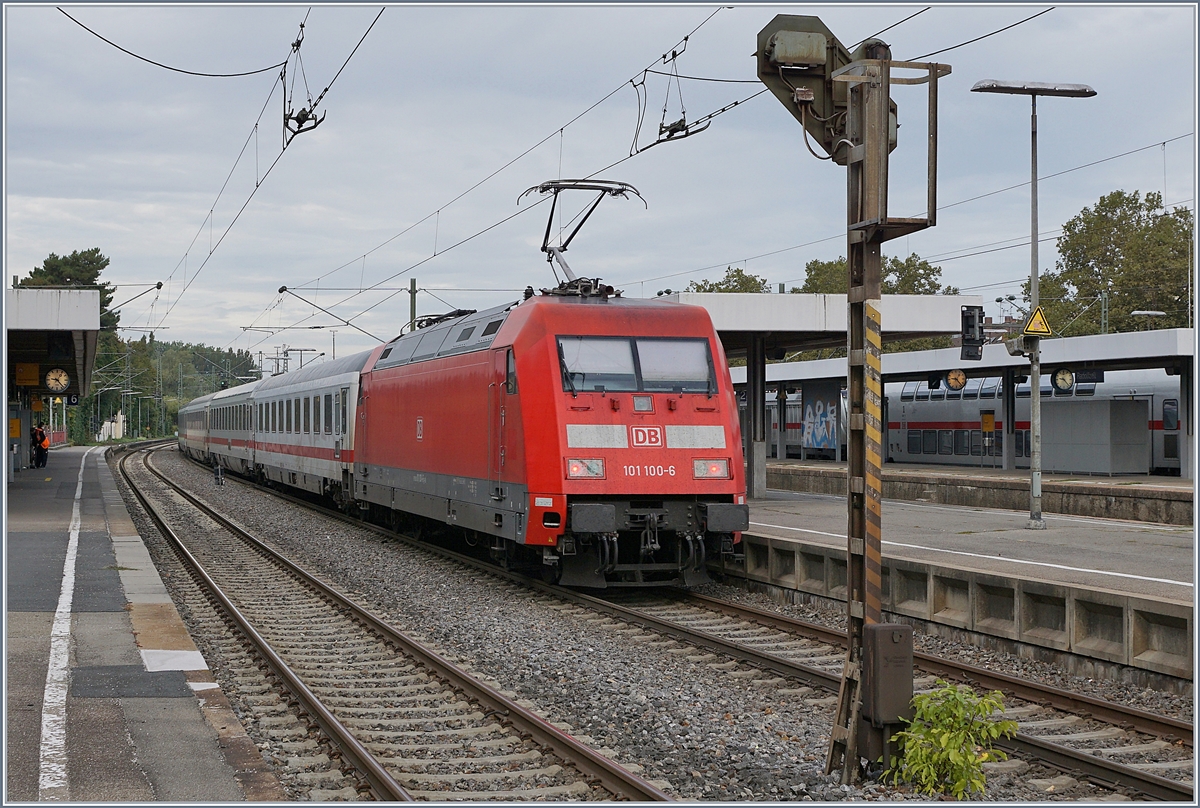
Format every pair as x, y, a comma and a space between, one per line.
566, 374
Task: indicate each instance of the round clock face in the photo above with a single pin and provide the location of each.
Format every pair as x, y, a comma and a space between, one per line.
1063, 379
956, 379
57, 380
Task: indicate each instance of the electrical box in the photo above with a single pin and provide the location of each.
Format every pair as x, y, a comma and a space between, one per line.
887, 673
797, 48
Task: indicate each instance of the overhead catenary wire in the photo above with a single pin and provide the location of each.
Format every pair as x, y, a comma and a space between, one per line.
890, 27
940, 208
258, 181
436, 213
978, 38
168, 67
557, 131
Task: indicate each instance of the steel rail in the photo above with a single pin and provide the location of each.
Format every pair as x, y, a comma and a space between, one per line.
622, 783
1103, 771
1161, 726
382, 783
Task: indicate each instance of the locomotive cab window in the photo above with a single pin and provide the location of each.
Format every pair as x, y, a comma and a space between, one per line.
682, 365
510, 374
619, 364
596, 363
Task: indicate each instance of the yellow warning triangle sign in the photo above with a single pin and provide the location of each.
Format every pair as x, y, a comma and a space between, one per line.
1036, 325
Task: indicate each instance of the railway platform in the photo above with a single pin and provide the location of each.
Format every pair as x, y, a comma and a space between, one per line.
1105, 596
108, 698
1142, 497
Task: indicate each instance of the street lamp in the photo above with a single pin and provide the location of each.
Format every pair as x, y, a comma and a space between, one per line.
1033, 89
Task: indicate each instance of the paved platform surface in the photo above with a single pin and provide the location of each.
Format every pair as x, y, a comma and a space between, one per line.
1135, 558
108, 699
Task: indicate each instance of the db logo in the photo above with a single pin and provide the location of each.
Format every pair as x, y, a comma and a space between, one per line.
647, 436
420, 429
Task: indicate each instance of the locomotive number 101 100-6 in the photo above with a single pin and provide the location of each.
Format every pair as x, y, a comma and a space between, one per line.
649, 471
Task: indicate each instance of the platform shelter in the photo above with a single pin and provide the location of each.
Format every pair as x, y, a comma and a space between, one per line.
767, 326
51, 337
1172, 349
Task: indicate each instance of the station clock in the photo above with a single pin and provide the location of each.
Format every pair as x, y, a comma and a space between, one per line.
956, 379
1063, 379
57, 380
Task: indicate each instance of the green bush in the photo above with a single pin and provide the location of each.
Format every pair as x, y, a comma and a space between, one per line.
949, 739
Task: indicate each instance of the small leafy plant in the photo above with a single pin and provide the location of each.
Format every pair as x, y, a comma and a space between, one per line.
949, 739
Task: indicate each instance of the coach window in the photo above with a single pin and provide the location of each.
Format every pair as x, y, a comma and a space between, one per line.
510, 376
1022, 389
922, 391
907, 393
1170, 417
998, 443
307, 415
316, 415
345, 399
929, 441
1028, 445
914, 441
988, 390
1085, 388
971, 389
946, 441
953, 395
937, 393
1019, 443
962, 442
328, 414
288, 422
1047, 388
977, 442
296, 407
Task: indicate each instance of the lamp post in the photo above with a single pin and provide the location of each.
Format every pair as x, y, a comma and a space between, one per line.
1033, 89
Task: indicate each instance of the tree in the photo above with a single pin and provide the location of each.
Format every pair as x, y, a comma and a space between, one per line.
911, 276
735, 280
80, 269
1130, 248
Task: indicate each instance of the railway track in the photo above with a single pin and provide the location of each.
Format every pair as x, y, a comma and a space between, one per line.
413, 725
1106, 743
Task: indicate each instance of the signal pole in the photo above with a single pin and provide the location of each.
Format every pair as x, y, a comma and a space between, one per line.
843, 102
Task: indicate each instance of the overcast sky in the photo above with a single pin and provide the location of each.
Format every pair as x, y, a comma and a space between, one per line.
104, 150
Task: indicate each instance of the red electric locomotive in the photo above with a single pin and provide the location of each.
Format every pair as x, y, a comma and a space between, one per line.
594, 435
597, 433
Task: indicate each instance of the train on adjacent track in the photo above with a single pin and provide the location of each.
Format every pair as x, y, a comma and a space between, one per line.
594, 435
943, 426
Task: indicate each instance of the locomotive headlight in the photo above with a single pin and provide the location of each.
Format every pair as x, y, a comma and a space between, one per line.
585, 469
710, 469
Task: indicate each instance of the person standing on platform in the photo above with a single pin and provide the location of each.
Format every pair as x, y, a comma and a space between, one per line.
41, 442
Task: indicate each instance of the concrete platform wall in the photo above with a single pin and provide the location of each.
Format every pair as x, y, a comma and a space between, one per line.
1111, 631
1163, 506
